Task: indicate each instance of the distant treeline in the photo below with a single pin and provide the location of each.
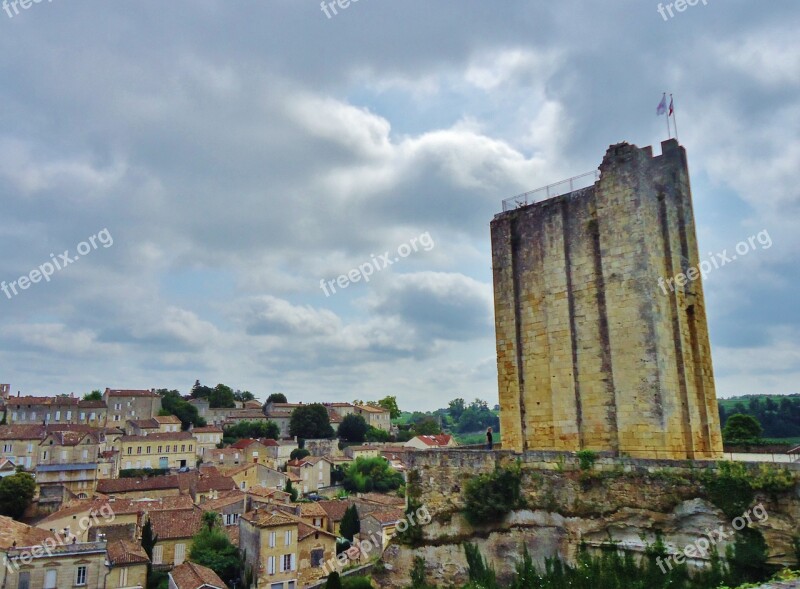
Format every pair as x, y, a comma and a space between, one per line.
778, 415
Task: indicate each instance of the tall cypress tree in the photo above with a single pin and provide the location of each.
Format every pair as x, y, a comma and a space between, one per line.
350, 525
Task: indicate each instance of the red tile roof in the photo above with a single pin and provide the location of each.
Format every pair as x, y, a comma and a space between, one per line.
190, 575
435, 441
159, 437
176, 523
130, 393
124, 552
106, 486
335, 509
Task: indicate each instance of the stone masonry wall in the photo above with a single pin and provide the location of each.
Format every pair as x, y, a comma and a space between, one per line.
592, 353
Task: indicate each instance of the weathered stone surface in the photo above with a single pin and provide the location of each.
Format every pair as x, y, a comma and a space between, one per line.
592, 353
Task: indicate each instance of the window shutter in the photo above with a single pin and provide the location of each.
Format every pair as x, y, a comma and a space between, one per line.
281, 564
293, 563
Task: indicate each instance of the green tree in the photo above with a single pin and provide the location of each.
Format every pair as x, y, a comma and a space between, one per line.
16, 494
172, 403
353, 428
456, 408
222, 398
378, 435
351, 524
299, 454
490, 497
212, 548
742, 428
149, 539
333, 582
243, 396
289, 488
427, 426
251, 429
311, 422
390, 404
371, 474
95, 395
277, 398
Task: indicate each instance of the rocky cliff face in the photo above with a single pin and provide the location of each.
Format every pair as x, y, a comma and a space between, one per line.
628, 504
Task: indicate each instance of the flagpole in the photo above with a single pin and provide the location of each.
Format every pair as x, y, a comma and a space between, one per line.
666, 112
674, 116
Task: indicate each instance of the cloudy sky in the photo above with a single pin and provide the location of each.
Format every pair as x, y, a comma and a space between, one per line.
238, 153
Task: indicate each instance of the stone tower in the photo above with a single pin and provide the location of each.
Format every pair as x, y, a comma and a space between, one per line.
592, 353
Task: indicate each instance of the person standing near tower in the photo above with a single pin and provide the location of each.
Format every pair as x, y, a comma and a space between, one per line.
489, 439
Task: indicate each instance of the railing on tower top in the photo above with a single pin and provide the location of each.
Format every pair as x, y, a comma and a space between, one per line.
551, 190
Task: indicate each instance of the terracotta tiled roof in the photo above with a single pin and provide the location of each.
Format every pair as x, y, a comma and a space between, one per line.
304, 531
434, 441
144, 423
387, 516
167, 419
208, 429
363, 448
252, 405
382, 499
268, 493
12, 531
123, 552
190, 575
264, 518
41, 401
107, 486
371, 409
130, 393
335, 509
213, 481
312, 510
269, 442
227, 498
176, 523
243, 443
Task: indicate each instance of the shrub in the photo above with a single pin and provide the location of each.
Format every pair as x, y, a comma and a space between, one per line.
356, 583
587, 458
490, 497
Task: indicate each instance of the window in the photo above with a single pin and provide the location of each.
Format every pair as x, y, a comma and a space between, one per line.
7, 447
287, 537
175, 448
82, 415
276, 586
190, 447
272, 539
63, 455
318, 522
85, 454
44, 454
91, 416
69, 415
24, 580
116, 418
292, 585
320, 476
317, 556
14, 418
183, 447
231, 518
271, 565
58, 415
123, 576
158, 554
148, 449
80, 576
243, 485
180, 553
159, 450
117, 406
50, 579
288, 562
130, 450
138, 449
33, 415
